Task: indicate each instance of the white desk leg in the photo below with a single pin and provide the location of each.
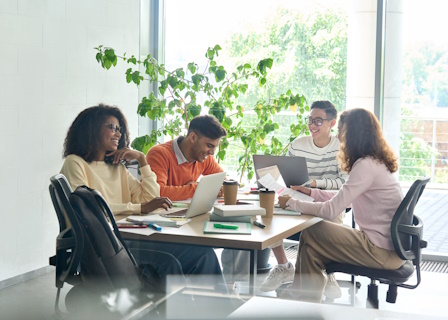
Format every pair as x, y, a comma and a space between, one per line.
252, 271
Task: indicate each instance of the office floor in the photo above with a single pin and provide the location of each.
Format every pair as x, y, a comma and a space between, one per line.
34, 299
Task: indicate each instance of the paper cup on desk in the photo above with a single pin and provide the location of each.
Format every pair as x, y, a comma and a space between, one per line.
267, 199
230, 188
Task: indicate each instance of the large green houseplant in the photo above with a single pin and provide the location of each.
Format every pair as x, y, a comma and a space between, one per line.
179, 93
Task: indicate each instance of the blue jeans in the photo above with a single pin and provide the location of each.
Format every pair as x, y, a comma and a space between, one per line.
199, 264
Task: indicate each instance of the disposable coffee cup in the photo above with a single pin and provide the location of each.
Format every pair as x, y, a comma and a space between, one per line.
230, 188
267, 199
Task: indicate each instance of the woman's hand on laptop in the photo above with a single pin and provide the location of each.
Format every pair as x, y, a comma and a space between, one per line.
282, 201
156, 203
304, 190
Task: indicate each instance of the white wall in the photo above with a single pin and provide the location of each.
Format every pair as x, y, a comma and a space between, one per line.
48, 74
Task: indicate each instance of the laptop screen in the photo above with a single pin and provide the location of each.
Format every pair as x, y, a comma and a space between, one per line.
292, 169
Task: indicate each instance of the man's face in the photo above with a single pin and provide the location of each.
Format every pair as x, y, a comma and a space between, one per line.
319, 124
203, 147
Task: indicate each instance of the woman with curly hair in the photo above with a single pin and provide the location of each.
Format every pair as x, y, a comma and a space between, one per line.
373, 193
96, 144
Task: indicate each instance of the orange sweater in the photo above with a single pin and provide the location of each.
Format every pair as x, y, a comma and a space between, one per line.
173, 177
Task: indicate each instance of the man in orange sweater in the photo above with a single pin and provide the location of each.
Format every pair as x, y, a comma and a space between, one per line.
180, 162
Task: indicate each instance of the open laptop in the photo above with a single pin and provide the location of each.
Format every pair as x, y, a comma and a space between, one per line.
203, 198
293, 169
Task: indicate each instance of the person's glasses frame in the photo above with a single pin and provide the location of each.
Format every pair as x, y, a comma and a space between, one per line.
114, 128
317, 121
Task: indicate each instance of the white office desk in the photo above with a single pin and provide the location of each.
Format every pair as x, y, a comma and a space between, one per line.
277, 228
274, 308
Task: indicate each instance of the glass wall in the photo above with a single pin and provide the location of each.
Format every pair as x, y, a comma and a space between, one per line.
307, 41
423, 89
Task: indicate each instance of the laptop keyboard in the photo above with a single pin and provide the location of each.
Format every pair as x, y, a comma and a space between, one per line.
180, 213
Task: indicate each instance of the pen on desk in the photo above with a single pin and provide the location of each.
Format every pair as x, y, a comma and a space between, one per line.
155, 226
130, 226
224, 226
306, 184
259, 225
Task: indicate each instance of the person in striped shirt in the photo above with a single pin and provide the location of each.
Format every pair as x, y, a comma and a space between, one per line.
320, 149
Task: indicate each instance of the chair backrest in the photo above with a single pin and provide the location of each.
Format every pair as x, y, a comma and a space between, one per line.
69, 243
406, 228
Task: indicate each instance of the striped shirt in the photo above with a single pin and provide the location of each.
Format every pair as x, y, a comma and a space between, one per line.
322, 163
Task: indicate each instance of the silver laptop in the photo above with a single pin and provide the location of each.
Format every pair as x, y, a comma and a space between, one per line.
203, 198
293, 169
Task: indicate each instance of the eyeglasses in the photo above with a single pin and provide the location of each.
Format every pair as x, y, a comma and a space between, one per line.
317, 121
114, 128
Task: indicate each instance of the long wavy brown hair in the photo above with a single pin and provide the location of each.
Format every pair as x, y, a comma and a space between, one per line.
360, 136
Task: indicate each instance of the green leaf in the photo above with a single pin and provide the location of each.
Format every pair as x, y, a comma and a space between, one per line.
143, 143
172, 81
99, 57
194, 110
192, 67
221, 154
220, 75
136, 78
210, 53
243, 88
180, 72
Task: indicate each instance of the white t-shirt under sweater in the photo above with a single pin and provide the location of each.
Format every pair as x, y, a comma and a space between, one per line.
121, 190
322, 163
374, 194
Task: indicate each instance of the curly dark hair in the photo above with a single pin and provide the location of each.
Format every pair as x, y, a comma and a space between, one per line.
83, 136
360, 135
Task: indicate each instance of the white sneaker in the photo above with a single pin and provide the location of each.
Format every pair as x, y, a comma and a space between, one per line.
277, 277
332, 289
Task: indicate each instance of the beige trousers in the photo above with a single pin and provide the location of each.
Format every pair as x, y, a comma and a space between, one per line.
327, 242
339, 219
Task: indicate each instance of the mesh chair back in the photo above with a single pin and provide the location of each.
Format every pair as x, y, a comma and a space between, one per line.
407, 229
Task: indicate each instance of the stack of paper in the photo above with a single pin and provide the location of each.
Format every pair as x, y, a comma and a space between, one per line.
269, 182
154, 218
217, 217
238, 210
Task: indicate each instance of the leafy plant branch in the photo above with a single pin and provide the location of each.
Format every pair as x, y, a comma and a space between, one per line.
177, 102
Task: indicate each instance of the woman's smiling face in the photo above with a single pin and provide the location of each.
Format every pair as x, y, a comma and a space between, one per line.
110, 135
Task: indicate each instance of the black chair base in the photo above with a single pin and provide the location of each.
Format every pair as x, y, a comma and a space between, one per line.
393, 278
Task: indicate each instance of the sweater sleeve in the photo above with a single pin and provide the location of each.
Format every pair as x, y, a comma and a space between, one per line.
332, 183
75, 173
146, 189
160, 165
333, 203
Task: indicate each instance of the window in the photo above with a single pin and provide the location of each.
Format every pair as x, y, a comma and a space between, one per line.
307, 41
422, 61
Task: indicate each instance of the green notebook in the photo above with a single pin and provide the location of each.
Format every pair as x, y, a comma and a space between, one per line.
243, 227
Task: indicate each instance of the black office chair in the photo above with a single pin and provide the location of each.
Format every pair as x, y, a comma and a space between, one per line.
69, 242
69, 250
406, 231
